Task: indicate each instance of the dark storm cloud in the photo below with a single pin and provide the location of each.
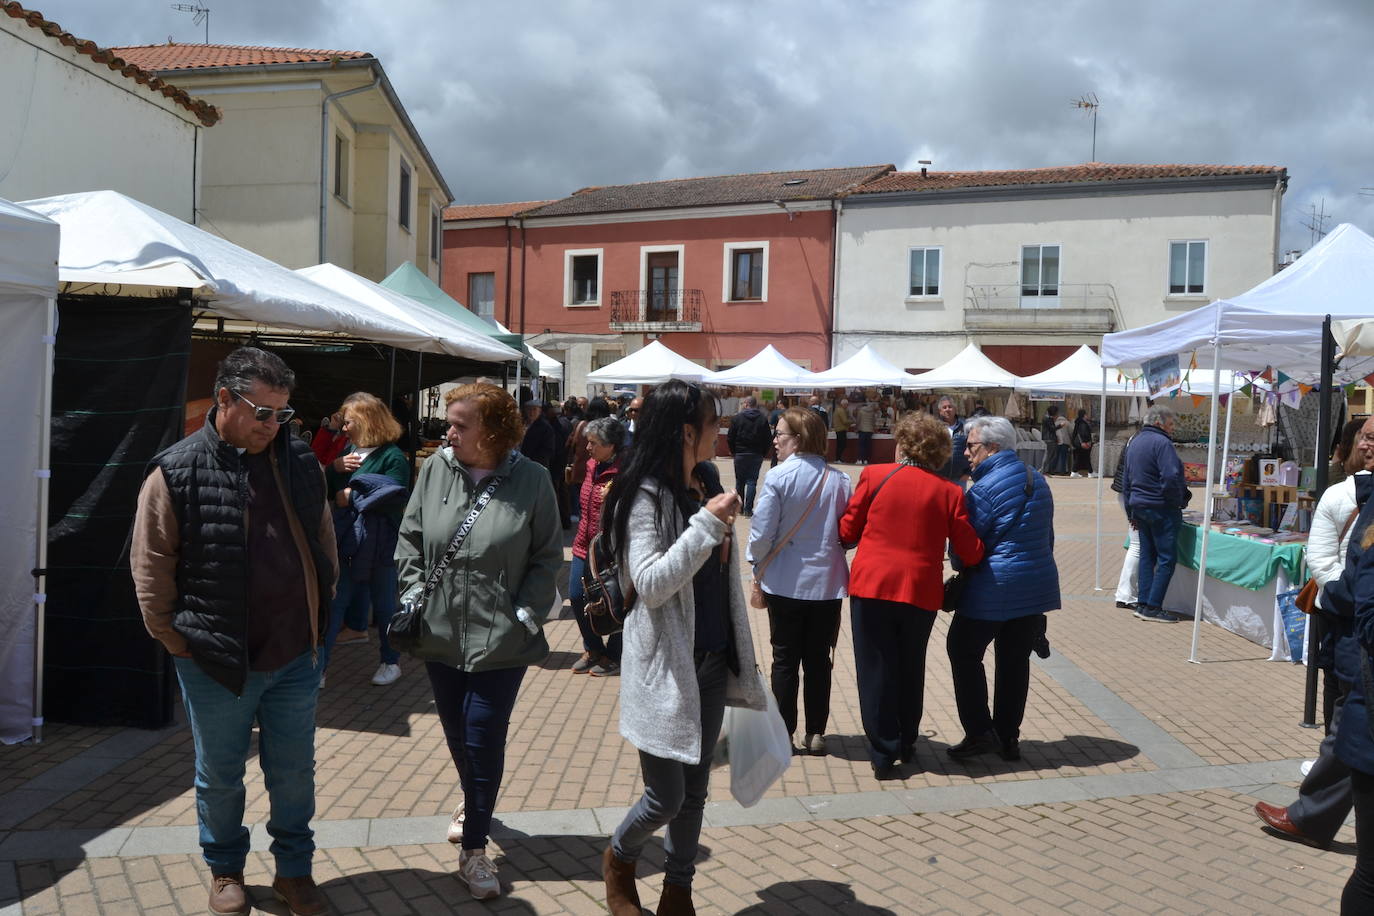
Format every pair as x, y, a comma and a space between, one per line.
525, 100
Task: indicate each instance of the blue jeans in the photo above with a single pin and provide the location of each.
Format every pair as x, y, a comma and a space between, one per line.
475, 708
282, 703
1158, 530
747, 478
592, 643
675, 792
352, 601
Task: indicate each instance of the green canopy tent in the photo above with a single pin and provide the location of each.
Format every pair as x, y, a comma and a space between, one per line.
409, 281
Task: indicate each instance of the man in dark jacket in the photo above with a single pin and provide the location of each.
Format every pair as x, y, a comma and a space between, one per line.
957, 467
1155, 492
748, 438
233, 560
538, 443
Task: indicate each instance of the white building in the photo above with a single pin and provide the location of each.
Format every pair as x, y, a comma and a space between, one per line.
1030, 264
78, 118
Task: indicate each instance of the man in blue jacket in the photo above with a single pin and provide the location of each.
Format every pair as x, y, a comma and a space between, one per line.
1156, 492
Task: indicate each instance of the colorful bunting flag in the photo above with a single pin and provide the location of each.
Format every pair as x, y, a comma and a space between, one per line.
1198, 399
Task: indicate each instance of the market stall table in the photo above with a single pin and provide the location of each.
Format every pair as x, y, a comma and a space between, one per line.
1244, 576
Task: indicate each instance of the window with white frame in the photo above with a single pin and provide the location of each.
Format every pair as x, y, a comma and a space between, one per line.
1039, 270
340, 167
582, 276
1187, 268
403, 205
603, 358
923, 272
746, 272
482, 295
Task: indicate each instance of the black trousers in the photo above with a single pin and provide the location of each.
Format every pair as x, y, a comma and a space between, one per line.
890, 665
1011, 640
1324, 797
803, 634
1358, 898
841, 441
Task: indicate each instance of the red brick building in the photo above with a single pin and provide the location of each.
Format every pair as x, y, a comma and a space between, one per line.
714, 267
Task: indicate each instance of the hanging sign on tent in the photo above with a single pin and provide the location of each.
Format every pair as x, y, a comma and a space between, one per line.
1162, 374
1047, 395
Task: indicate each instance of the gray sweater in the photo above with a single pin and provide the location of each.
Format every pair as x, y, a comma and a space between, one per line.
660, 705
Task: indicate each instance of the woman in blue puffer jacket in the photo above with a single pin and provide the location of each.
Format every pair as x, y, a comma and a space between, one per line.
1007, 594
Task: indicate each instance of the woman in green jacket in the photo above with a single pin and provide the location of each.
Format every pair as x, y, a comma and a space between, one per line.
483, 623
366, 589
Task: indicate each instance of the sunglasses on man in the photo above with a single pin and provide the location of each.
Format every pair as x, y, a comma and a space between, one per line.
263, 414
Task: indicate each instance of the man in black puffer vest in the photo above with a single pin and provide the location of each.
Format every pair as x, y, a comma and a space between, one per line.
233, 559
748, 438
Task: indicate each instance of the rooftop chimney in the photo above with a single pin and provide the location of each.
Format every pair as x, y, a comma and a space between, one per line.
924, 163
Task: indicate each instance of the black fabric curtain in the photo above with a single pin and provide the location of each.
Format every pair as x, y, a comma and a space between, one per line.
119, 390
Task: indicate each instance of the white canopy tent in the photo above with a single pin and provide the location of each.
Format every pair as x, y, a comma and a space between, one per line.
1082, 373
967, 369
653, 364
864, 369
28, 289
1278, 323
765, 369
549, 367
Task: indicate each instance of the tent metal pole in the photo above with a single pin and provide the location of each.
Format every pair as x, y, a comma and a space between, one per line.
391, 378
1101, 469
1322, 478
1206, 529
40, 584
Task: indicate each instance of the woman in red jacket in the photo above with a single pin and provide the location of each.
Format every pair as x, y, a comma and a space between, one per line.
605, 438
902, 516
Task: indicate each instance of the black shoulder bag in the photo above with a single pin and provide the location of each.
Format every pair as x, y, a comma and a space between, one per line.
955, 584
607, 603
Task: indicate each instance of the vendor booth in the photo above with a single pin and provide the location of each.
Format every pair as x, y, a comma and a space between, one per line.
969, 368
1281, 325
652, 364
28, 288
865, 369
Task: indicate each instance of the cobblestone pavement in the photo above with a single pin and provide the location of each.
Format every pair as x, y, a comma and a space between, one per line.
1133, 796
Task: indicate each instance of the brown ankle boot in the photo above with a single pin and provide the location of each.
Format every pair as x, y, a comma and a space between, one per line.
227, 896
622, 897
676, 901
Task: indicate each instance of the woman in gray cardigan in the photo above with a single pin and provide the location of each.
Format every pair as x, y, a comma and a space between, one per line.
688, 650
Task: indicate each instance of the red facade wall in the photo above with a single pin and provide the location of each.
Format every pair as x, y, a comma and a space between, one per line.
796, 318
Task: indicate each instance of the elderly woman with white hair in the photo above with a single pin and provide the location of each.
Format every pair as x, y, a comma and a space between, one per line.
1006, 595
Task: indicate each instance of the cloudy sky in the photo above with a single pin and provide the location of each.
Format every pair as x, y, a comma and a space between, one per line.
529, 99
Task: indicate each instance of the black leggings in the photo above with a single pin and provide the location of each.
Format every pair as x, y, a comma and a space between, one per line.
1358, 898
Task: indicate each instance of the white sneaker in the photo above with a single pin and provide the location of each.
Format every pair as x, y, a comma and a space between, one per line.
1075, 474
479, 873
1306, 767
455, 824
386, 674
322, 681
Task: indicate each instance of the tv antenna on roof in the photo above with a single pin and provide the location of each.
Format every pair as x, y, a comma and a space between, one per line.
202, 15
1089, 103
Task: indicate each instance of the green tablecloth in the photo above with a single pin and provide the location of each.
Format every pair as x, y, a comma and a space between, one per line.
1240, 561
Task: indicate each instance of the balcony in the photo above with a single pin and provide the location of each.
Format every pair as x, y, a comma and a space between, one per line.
656, 311
1085, 308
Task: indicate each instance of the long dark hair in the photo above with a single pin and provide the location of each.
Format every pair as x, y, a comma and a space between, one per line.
656, 453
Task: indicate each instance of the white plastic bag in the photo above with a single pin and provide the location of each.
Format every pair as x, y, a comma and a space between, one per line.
757, 747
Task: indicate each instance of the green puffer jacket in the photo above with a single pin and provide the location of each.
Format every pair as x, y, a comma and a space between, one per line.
510, 560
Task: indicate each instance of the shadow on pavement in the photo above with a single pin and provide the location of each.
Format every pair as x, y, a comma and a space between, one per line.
569, 857
811, 896
388, 891
1068, 751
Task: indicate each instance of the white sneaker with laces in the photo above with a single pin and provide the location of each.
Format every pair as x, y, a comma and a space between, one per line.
455, 824
386, 674
479, 873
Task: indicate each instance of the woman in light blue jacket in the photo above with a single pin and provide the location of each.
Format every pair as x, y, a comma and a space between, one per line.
794, 547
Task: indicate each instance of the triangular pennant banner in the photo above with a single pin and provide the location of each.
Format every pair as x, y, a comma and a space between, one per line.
1304, 389
1198, 399
1282, 379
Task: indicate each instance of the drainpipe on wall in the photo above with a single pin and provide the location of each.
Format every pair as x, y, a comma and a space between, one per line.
507, 322
1279, 186
324, 158
522, 277
836, 208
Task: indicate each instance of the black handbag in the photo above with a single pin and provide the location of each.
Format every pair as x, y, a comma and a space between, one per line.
607, 604
957, 583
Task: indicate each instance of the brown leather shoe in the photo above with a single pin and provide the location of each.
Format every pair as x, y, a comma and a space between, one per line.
676, 901
1276, 819
300, 895
227, 896
622, 896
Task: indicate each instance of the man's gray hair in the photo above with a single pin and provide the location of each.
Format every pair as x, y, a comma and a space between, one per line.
996, 432
246, 365
608, 429
944, 398
747, 401
1157, 415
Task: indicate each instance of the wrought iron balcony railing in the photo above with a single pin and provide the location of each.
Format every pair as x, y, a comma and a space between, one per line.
663, 310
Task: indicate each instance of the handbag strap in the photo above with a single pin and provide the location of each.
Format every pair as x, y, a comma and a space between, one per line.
820, 485
1346, 528
459, 536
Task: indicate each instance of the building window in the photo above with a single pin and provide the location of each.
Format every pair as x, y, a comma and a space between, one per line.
1039, 270
404, 204
924, 270
436, 224
340, 167
482, 295
582, 276
1187, 268
603, 358
746, 272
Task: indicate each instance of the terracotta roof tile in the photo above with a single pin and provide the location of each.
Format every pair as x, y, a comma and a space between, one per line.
757, 187
206, 113
492, 211
174, 56
1089, 171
